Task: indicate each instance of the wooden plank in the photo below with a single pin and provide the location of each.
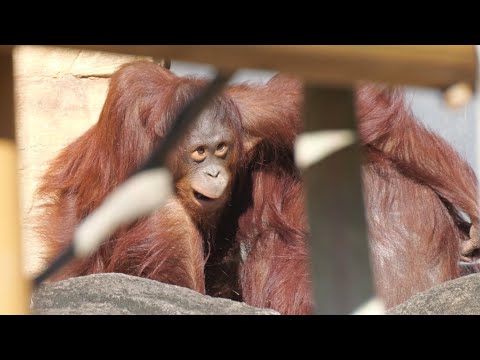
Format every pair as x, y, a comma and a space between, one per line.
339, 244
6, 49
14, 293
341, 65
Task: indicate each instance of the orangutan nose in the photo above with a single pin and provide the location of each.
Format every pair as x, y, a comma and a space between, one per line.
213, 171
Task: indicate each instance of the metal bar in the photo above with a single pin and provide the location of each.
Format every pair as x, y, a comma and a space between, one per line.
14, 291
339, 245
437, 66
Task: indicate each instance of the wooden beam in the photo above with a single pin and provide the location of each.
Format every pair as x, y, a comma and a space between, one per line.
437, 66
14, 293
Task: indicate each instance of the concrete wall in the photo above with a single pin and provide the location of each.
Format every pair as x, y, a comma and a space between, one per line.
59, 94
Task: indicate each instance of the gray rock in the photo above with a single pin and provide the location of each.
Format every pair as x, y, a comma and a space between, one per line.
120, 294
456, 297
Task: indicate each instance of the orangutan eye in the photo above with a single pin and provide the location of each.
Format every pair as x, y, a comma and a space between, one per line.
221, 150
199, 154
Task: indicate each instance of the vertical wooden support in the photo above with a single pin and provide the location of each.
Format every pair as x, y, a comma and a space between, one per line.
339, 244
14, 297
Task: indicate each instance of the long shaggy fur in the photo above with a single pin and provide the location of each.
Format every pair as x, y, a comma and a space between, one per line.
416, 187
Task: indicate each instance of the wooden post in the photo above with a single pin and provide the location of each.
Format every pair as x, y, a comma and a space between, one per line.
339, 246
14, 292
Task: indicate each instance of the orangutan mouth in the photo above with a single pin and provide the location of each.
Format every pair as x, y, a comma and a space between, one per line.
202, 197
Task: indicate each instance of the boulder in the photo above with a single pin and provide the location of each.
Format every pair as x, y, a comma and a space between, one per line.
120, 294
456, 297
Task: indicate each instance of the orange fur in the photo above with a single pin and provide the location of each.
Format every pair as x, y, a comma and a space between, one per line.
415, 186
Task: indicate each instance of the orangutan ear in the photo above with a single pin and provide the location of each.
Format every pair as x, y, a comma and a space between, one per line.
249, 142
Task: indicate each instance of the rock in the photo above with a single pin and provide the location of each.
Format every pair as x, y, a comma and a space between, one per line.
120, 294
456, 297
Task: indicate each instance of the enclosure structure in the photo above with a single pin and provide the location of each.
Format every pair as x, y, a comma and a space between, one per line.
329, 72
